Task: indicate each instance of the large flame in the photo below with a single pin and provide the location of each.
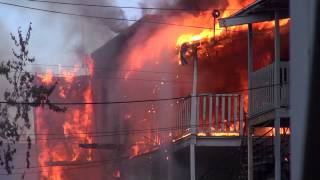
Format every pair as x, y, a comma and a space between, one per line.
74, 126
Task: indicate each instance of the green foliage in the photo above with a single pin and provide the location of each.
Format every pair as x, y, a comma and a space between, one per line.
19, 98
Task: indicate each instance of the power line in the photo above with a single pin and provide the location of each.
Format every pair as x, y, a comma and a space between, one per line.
114, 132
139, 101
125, 79
158, 130
110, 69
109, 18
103, 18
125, 7
99, 103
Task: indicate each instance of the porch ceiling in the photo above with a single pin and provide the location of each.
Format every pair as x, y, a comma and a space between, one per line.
259, 11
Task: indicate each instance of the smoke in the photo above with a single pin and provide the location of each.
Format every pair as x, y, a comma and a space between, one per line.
61, 39
187, 6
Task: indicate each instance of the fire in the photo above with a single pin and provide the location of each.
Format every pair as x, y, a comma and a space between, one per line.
90, 63
221, 134
117, 173
205, 35
144, 50
70, 75
134, 151
74, 125
62, 92
270, 131
208, 35
218, 134
47, 78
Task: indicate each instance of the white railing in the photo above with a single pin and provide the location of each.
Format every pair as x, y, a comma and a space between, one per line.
262, 97
217, 115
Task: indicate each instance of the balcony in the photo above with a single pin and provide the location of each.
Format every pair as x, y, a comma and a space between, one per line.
263, 93
218, 115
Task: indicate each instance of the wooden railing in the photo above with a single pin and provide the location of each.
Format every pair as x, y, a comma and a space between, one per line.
217, 115
262, 97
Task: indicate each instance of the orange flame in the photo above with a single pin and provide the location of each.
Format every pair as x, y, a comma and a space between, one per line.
47, 78
77, 122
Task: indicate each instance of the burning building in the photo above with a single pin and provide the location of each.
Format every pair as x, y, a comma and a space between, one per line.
141, 117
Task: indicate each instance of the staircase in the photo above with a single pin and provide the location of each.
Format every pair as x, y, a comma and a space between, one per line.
263, 158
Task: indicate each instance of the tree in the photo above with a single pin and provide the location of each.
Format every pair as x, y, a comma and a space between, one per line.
20, 97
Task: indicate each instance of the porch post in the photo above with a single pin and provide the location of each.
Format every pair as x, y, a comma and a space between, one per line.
277, 149
276, 79
193, 122
250, 69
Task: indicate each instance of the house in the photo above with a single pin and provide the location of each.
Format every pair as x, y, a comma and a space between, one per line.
268, 91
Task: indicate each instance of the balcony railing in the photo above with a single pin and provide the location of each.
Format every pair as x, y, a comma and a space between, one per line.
217, 115
263, 87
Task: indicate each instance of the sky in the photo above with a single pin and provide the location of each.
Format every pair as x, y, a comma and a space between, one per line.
57, 39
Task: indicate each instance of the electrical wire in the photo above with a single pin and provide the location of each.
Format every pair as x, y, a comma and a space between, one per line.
126, 7
125, 79
108, 18
140, 101
103, 18
109, 69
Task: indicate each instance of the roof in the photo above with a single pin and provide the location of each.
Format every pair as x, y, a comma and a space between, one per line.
259, 11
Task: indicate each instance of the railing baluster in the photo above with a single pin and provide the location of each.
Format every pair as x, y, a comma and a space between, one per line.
253, 94
222, 112
204, 108
272, 82
268, 88
180, 118
185, 114
210, 112
229, 111
235, 112
189, 118
241, 116
177, 115
217, 113
198, 113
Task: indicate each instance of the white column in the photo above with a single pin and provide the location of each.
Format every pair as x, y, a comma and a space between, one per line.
194, 97
193, 116
192, 158
250, 69
250, 153
277, 149
250, 65
276, 80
